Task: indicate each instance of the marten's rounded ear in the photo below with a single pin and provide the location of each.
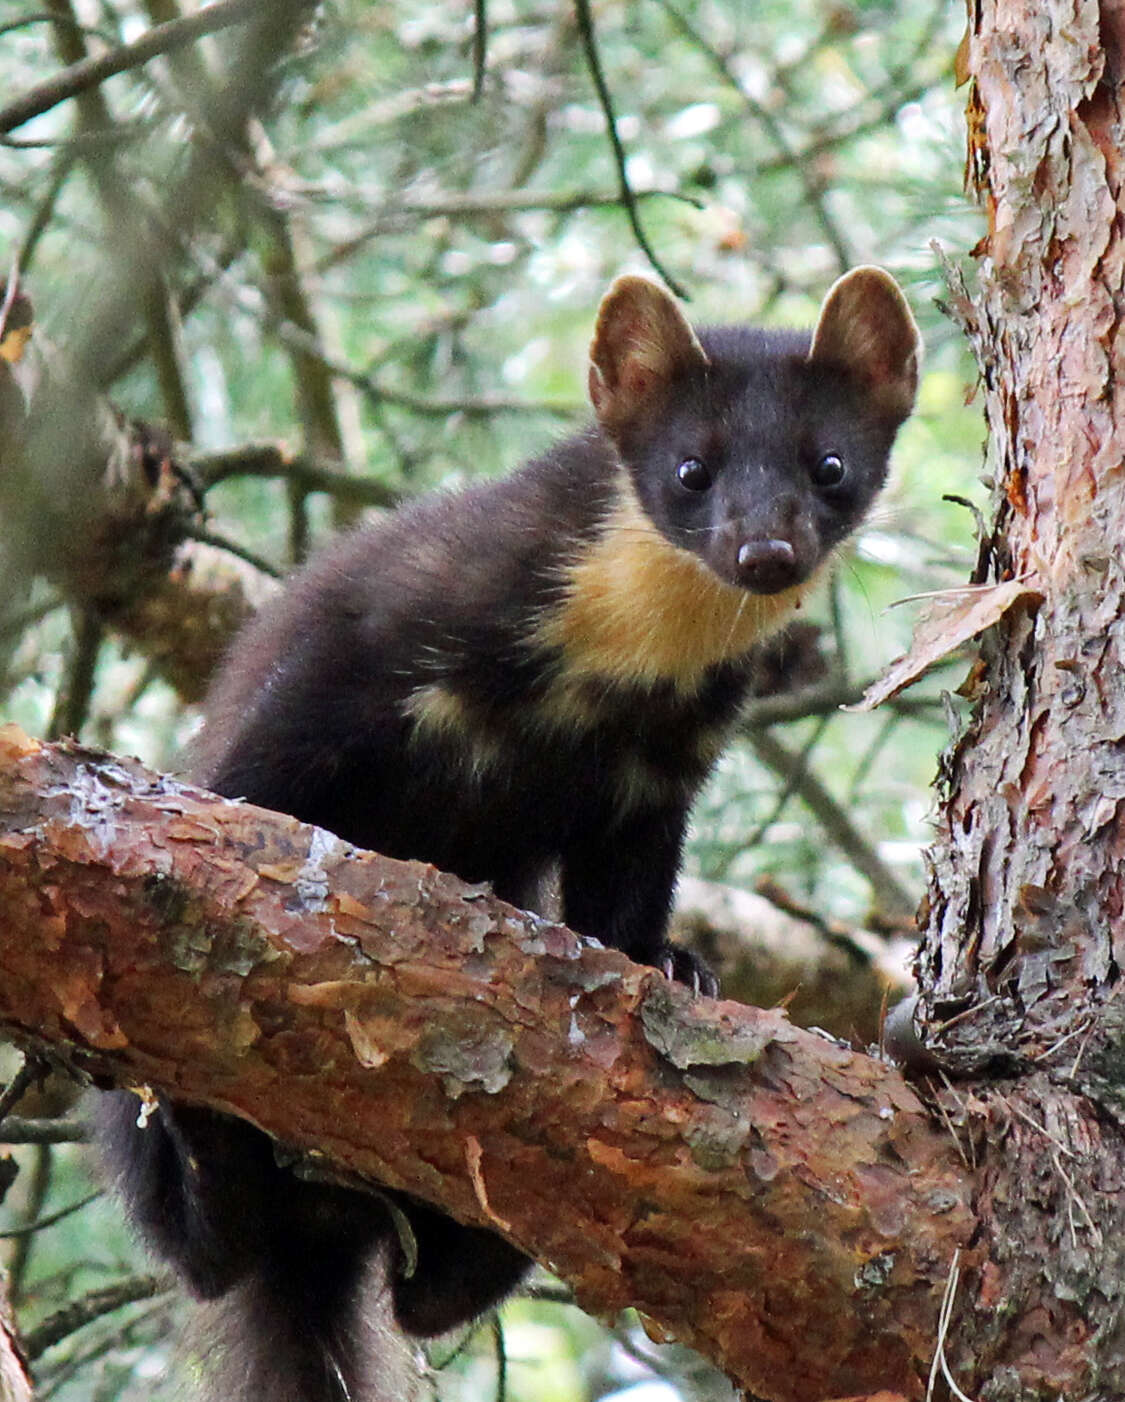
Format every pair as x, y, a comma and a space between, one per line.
866, 326
641, 341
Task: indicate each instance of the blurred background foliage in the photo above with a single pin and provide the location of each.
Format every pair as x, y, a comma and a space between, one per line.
395, 276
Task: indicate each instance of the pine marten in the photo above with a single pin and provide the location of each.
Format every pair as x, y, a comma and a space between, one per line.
531, 676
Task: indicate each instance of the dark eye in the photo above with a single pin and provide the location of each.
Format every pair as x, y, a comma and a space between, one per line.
829, 471
693, 475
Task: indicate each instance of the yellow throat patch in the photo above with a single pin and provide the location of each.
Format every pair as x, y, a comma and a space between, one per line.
638, 609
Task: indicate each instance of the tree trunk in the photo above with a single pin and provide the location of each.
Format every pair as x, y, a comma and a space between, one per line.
1023, 920
15, 1384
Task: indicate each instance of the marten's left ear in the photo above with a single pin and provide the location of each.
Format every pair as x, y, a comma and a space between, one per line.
642, 341
866, 326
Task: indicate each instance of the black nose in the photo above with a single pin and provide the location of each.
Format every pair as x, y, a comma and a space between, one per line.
767, 566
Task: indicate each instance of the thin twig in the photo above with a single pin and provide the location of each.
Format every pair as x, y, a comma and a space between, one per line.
46, 17
1080, 1031
501, 1357
241, 552
952, 1091
484, 205
187, 302
84, 143
91, 1306
548, 1293
42, 1223
823, 697
480, 46
1073, 1197
895, 901
947, 1120
89, 72
791, 783
1035, 1125
62, 165
80, 1359
27, 1073
628, 199
833, 932
482, 406
39, 1185
899, 87
11, 291
17, 623
288, 294
814, 191
1094, 1022
137, 251
966, 1013
72, 703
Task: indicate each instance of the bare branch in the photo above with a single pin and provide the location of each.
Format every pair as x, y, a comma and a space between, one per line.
121, 550
814, 191
825, 697
896, 904
480, 47
89, 72
72, 703
18, 1129
21, 1081
628, 199
274, 460
93, 1305
659, 1150
42, 1223
485, 204
232, 547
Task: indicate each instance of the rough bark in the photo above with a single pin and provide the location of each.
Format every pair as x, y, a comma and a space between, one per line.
783, 1203
105, 515
1023, 926
15, 1382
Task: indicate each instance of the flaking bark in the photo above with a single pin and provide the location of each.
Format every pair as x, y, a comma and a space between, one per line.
1023, 921
105, 514
775, 1199
15, 1383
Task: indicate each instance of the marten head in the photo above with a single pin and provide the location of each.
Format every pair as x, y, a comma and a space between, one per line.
757, 451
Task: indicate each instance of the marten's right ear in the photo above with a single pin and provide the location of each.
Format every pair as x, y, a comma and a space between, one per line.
641, 342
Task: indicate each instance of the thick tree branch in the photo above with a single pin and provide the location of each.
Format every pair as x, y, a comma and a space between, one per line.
779, 1201
119, 547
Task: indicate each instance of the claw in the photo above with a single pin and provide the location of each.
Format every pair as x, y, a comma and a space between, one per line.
679, 965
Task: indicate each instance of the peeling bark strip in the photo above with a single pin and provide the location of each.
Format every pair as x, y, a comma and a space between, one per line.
778, 1201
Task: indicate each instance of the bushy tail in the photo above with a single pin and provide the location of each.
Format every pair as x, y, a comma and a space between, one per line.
294, 1338
292, 1270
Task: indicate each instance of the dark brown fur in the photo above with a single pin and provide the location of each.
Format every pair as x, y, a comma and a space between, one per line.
526, 680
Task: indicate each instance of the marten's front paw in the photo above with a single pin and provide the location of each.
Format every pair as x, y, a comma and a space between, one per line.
680, 965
